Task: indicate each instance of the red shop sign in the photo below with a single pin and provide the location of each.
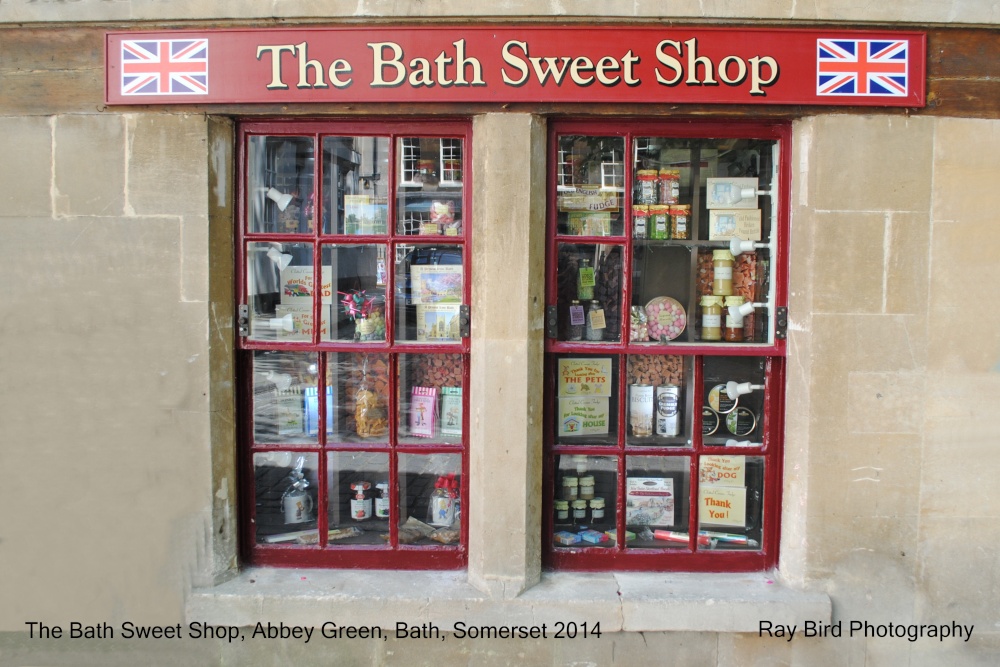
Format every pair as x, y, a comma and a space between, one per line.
660, 65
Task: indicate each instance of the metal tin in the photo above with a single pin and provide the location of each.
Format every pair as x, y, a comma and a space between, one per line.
641, 410
709, 421
668, 416
719, 400
741, 421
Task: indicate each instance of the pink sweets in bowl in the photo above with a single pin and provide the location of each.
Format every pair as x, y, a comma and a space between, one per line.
666, 318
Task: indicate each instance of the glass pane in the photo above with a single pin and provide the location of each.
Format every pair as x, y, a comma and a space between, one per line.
656, 501
429, 186
430, 503
730, 498
745, 283
659, 405
361, 277
285, 492
733, 419
284, 383
590, 185
430, 403
356, 175
587, 400
661, 293
586, 495
280, 188
358, 491
280, 292
589, 284
429, 292
358, 387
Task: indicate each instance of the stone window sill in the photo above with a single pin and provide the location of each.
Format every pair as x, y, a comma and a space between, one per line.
626, 602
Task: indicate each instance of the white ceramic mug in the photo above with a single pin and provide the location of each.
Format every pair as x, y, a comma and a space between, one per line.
297, 507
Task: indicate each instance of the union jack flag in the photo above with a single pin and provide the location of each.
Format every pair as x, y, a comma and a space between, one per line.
862, 67
165, 67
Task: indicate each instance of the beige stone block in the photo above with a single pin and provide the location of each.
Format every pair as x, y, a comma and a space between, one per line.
26, 169
855, 163
960, 462
752, 650
850, 256
167, 164
960, 571
89, 170
966, 163
194, 258
962, 330
907, 270
885, 402
883, 473
839, 543
679, 648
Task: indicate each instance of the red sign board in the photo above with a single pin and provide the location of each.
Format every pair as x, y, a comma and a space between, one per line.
656, 65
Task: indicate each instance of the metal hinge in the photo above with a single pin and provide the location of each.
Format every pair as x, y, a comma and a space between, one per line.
781, 322
464, 321
551, 322
243, 321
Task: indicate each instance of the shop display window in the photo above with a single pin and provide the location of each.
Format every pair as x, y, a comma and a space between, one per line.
353, 352
666, 292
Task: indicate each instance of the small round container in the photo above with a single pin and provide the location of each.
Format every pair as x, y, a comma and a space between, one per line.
597, 510
709, 421
665, 318
587, 487
562, 510
719, 400
579, 510
741, 421
571, 488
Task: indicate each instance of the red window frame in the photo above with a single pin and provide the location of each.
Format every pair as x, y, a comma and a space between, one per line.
692, 557
393, 554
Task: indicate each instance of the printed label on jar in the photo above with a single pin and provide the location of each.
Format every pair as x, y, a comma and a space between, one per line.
576, 317
382, 508
711, 321
597, 319
361, 509
734, 322
723, 273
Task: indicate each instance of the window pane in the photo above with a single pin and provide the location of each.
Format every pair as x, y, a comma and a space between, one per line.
730, 497
358, 492
736, 420
587, 400
285, 487
656, 501
430, 403
360, 276
283, 383
429, 186
429, 292
280, 291
430, 503
358, 386
280, 185
659, 405
590, 182
589, 284
356, 175
586, 495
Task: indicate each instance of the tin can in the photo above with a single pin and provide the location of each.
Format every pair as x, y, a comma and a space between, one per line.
641, 410
668, 416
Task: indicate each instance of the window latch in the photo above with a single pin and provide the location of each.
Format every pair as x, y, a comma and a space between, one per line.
781, 322
243, 321
551, 322
464, 321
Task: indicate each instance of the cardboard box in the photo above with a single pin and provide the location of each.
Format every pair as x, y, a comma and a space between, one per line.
438, 323
724, 224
